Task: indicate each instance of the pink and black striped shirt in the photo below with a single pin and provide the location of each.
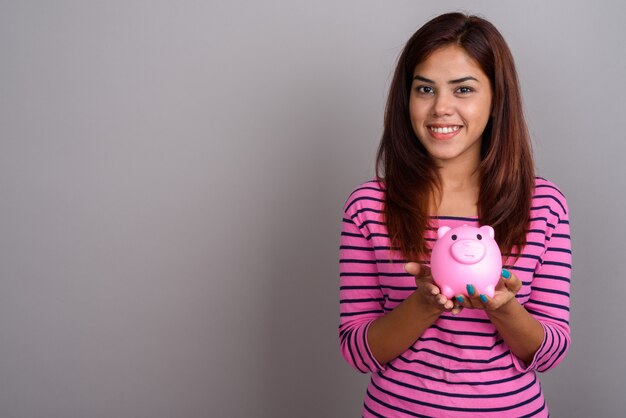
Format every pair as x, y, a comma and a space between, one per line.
460, 366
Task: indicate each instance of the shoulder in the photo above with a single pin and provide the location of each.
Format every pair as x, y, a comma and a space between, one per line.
547, 195
370, 194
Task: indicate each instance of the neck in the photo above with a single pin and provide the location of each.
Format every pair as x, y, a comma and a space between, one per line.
459, 176
460, 188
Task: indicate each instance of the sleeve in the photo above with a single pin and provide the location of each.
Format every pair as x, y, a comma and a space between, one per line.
360, 295
549, 301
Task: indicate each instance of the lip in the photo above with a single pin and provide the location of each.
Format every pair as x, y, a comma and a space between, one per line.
443, 136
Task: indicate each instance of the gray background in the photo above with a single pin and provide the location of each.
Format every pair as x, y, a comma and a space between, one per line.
171, 182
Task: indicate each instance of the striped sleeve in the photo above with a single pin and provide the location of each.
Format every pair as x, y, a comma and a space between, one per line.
360, 295
549, 301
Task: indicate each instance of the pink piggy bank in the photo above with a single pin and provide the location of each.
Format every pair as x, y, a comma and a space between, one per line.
466, 255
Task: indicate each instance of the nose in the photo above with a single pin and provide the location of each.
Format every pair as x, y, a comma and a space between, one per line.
442, 105
468, 251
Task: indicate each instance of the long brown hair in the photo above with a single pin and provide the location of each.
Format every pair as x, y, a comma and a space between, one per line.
506, 169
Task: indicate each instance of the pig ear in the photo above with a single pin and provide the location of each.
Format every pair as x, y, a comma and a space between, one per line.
488, 230
442, 231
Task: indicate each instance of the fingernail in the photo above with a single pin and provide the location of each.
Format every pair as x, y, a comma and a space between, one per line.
506, 274
483, 298
470, 289
460, 299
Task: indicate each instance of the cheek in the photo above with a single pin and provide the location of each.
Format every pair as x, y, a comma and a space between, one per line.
478, 113
417, 114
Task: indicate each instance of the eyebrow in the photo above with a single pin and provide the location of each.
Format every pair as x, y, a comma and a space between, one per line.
455, 81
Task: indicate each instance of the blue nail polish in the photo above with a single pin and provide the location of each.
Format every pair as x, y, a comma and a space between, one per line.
506, 274
460, 299
470, 290
483, 298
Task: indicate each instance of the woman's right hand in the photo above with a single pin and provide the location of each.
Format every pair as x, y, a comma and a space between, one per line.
428, 292
393, 333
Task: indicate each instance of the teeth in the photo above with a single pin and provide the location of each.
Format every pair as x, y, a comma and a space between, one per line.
445, 130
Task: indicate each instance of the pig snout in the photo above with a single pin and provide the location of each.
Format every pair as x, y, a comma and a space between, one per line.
468, 251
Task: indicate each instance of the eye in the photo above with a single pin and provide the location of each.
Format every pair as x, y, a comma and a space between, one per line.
464, 90
453, 237
424, 89
479, 236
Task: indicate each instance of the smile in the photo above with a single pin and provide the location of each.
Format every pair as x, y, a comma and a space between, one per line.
444, 129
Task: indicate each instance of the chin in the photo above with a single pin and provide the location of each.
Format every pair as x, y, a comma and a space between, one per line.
443, 156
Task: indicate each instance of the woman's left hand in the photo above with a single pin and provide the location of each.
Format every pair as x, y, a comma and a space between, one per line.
505, 291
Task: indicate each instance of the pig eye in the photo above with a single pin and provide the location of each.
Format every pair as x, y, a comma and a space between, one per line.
453, 237
479, 236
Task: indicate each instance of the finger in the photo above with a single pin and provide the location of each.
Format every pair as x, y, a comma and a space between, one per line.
511, 281
444, 302
474, 297
458, 303
426, 281
412, 268
486, 301
432, 295
416, 269
430, 288
461, 301
425, 271
456, 310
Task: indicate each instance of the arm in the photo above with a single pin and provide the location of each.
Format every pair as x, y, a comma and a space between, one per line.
519, 330
537, 333
550, 298
393, 333
369, 338
361, 298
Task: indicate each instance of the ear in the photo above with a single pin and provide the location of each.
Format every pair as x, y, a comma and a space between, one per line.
488, 230
442, 231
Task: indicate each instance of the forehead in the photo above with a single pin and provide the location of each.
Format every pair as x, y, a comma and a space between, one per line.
447, 63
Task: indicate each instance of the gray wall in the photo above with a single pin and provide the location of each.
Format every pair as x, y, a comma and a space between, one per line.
171, 182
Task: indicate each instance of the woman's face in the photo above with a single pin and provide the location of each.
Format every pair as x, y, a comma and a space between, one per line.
450, 105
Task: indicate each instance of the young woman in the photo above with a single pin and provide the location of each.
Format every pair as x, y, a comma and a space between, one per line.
455, 150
